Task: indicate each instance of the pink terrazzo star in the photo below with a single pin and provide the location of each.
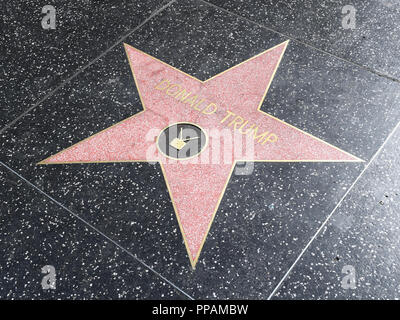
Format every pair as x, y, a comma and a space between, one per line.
228, 102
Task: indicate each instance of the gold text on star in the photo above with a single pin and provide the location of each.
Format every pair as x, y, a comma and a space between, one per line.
230, 119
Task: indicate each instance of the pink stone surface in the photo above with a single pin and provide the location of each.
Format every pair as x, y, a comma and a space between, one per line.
197, 185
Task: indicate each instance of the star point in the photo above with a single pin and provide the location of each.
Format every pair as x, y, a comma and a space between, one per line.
227, 105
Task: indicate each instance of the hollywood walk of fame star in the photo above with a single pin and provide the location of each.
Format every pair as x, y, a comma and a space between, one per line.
174, 128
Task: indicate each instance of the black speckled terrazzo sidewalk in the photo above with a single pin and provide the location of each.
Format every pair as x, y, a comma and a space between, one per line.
292, 228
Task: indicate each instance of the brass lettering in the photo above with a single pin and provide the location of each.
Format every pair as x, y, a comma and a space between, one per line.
158, 86
192, 100
271, 138
229, 114
261, 136
196, 106
174, 93
238, 120
181, 96
248, 129
208, 108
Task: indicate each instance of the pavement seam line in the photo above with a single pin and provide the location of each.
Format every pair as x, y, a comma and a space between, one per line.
88, 224
80, 70
361, 66
279, 285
